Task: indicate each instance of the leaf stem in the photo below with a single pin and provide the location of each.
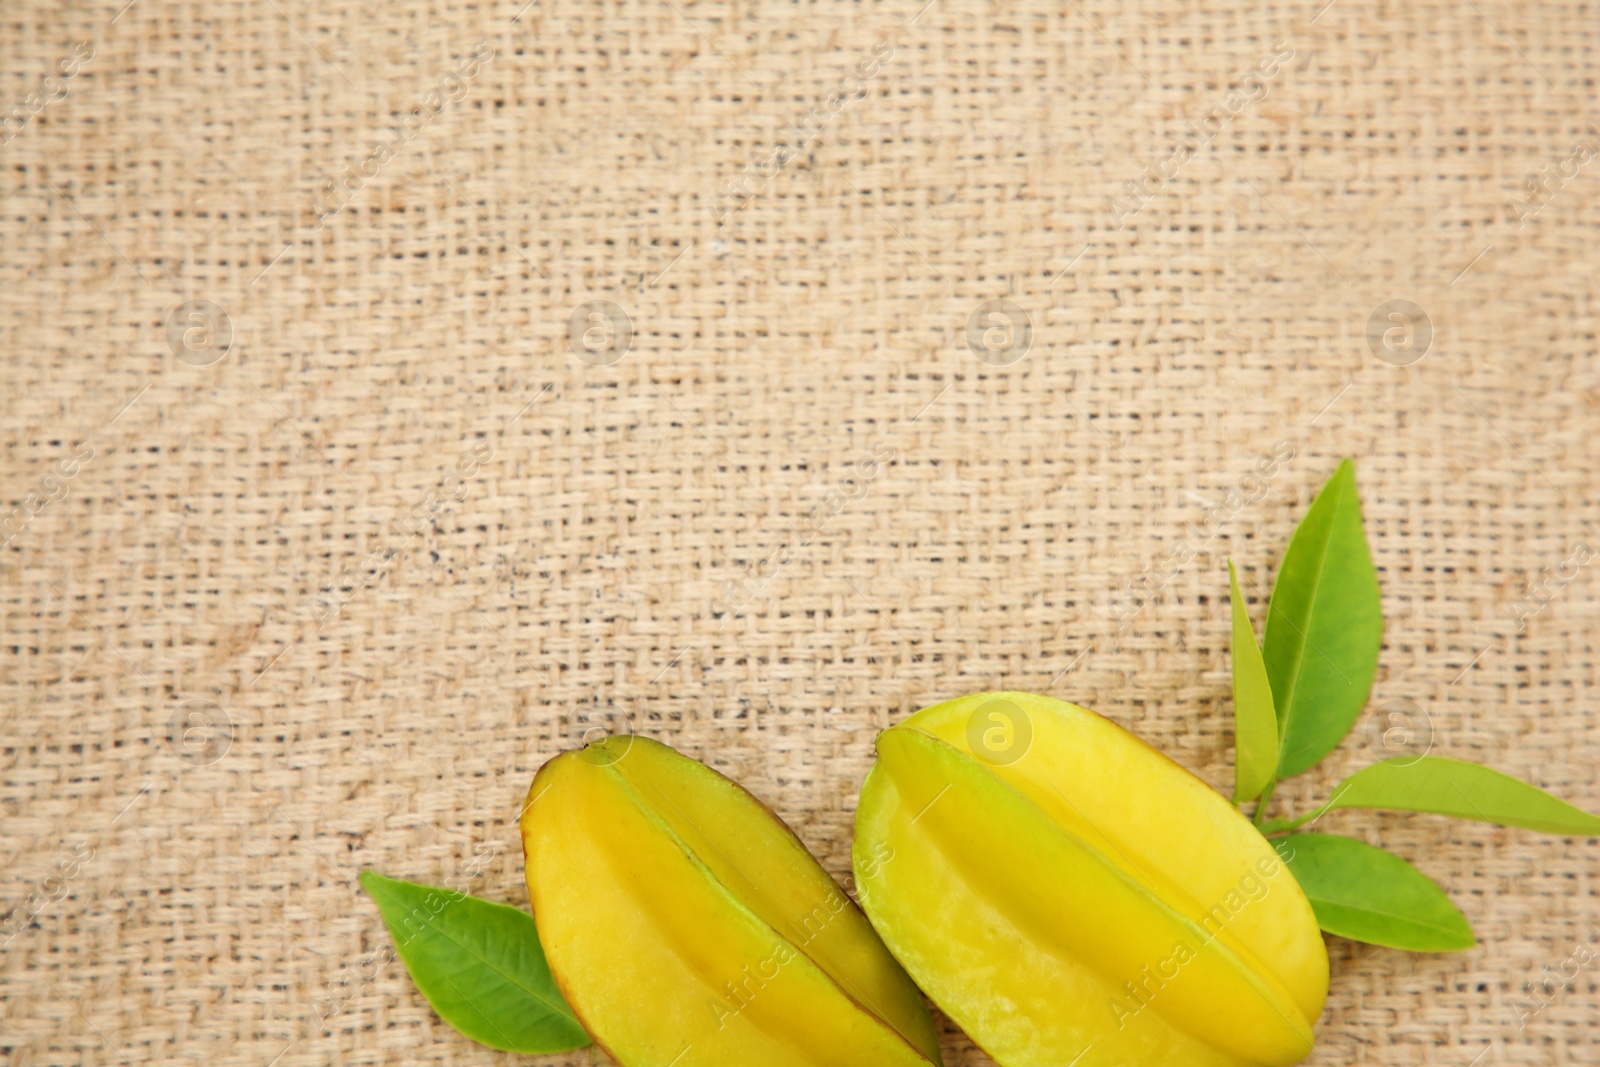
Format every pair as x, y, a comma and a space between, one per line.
1266, 798
1286, 826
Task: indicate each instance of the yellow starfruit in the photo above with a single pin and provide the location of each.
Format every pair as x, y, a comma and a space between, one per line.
1070, 896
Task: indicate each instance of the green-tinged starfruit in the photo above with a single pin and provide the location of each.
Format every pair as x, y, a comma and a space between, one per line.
686, 925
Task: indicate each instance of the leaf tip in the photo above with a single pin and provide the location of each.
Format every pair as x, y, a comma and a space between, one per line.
1465, 938
373, 882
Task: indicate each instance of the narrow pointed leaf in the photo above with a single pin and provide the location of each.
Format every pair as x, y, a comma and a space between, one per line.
1324, 626
479, 964
1255, 723
1367, 894
1465, 790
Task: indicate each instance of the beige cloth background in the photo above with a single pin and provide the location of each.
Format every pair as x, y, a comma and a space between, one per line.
345, 553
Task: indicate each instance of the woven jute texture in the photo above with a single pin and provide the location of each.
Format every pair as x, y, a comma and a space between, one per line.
394, 393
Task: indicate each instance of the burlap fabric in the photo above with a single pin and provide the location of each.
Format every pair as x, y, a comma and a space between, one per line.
395, 392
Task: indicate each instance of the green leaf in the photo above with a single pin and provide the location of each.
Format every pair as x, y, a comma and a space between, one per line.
1255, 723
1466, 790
1367, 894
479, 964
1324, 626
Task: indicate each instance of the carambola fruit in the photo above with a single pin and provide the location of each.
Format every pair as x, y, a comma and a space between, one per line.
686, 925
1068, 895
